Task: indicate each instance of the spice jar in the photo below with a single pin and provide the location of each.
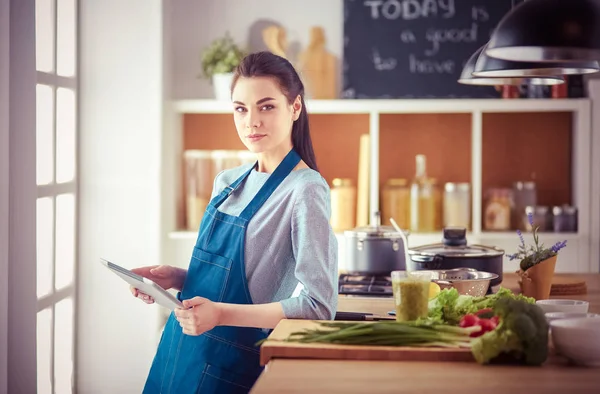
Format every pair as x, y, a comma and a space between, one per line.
198, 185
524, 195
395, 202
457, 205
497, 209
564, 219
343, 205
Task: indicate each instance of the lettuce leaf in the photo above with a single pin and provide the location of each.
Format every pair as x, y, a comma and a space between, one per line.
448, 307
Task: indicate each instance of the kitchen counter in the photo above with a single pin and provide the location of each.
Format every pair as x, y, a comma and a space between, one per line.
344, 376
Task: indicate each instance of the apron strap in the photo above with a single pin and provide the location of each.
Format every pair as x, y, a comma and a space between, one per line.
221, 197
290, 161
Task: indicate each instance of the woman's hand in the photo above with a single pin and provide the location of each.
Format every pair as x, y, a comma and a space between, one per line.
165, 276
200, 315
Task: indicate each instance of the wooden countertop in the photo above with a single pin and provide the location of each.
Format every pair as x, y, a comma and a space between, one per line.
340, 376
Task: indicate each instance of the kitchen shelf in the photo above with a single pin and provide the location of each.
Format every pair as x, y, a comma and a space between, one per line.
401, 106
546, 237
485, 124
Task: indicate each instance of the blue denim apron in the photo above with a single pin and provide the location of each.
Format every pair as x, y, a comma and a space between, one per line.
224, 359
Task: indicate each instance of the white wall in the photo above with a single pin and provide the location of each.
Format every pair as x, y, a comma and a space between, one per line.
594, 94
120, 159
17, 197
197, 22
4, 127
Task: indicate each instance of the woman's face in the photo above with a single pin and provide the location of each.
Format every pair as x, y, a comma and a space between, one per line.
263, 117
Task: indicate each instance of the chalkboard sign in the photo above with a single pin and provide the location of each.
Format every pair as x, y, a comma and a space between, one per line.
415, 48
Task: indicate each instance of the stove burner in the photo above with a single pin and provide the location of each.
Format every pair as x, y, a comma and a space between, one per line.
365, 285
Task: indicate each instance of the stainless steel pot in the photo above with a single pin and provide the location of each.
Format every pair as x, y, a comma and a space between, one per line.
374, 250
454, 252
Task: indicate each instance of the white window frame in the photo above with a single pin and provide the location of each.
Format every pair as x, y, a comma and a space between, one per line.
54, 189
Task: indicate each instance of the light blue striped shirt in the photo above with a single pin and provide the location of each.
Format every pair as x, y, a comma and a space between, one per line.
288, 241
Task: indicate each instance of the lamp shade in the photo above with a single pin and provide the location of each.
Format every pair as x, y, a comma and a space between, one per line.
548, 31
487, 66
467, 77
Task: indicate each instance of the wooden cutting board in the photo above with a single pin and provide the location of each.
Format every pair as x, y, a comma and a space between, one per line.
273, 348
318, 67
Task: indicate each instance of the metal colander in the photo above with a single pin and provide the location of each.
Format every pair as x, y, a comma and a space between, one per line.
466, 281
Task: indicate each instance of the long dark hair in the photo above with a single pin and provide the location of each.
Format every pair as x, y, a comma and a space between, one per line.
267, 64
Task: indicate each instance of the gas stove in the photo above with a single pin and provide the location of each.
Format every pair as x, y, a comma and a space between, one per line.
365, 285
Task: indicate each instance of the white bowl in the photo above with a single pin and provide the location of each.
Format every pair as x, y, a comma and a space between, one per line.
569, 315
578, 340
558, 305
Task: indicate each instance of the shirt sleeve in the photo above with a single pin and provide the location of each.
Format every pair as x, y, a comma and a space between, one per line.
315, 250
216, 187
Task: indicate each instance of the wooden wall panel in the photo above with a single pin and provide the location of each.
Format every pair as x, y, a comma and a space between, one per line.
336, 140
516, 146
529, 147
445, 140
210, 131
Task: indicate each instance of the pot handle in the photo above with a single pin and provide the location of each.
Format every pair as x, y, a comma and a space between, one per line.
427, 262
423, 259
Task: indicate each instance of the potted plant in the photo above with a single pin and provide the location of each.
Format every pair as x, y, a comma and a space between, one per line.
219, 60
537, 264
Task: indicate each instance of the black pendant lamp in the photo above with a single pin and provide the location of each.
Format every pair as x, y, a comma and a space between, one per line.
467, 77
487, 66
548, 31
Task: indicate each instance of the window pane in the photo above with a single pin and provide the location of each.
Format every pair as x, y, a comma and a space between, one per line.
44, 35
65, 240
65, 37
44, 134
44, 242
63, 346
44, 351
65, 135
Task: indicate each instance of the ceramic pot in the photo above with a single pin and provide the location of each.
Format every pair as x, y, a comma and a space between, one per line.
222, 85
536, 281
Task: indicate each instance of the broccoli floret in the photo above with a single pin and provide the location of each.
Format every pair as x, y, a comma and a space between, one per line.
521, 333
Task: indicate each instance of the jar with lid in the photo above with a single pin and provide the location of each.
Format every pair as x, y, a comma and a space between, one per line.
224, 160
246, 157
424, 201
343, 205
457, 205
541, 218
497, 209
525, 195
564, 219
395, 202
198, 185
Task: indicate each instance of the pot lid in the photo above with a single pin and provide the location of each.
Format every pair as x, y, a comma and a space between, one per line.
456, 251
454, 244
375, 232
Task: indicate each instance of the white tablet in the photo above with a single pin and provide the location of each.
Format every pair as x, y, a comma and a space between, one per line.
160, 295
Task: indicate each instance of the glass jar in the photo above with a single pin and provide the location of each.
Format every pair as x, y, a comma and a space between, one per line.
564, 219
224, 160
343, 205
525, 195
457, 205
395, 202
541, 218
198, 185
497, 209
246, 157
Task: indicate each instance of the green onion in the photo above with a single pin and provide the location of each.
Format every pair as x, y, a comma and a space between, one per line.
385, 334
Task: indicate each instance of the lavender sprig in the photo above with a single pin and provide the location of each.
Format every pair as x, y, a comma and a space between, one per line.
530, 218
530, 255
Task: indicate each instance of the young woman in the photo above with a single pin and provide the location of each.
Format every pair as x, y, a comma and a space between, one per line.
265, 229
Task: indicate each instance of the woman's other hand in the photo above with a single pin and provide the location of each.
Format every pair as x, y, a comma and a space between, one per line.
165, 276
200, 315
